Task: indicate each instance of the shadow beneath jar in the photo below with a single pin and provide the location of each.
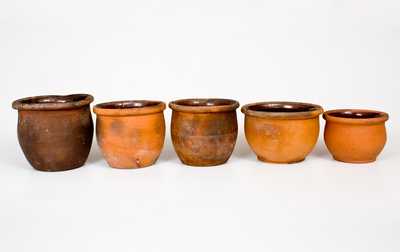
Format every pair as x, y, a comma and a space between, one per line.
168, 152
95, 154
15, 157
242, 149
320, 151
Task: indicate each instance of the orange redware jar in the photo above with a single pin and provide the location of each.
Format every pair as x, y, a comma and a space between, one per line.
282, 132
130, 133
354, 135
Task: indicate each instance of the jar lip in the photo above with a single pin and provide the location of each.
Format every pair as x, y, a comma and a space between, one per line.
129, 107
356, 116
204, 105
282, 110
53, 102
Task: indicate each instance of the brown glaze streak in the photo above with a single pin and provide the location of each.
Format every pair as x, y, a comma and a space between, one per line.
204, 131
282, 132
130, 133
355, 135
55, 132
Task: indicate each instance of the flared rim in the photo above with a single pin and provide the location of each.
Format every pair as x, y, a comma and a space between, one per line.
356, 116
204, 105
129, 107
53, 102
282, 110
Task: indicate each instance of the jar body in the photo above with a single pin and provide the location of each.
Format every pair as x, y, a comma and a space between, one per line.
56, 140
204, 139
280, 140
354, 143
131, 141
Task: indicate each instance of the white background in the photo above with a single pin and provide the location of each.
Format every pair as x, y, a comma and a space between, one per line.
337, 53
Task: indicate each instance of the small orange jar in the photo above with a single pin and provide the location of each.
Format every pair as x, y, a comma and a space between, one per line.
355, 135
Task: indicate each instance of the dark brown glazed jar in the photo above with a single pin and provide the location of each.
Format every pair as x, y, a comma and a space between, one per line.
55, 132
204, 131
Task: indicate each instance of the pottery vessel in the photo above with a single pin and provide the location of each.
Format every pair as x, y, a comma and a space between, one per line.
354, 135
55, 132
130, 133
281, 132
204, 131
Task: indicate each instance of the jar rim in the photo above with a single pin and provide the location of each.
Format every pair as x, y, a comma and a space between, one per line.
282, 110
53, 102
204, 105
129, 107
356, 116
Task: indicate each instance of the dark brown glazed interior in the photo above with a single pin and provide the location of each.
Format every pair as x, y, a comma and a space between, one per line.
204, 102
282, 110
356, 115
53, 102
129, 108
127, 104
54, 99
279, 108
204, 105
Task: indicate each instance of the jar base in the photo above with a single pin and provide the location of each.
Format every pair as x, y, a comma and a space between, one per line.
203, 165
58, 170
129, 167
262, 159
355, 161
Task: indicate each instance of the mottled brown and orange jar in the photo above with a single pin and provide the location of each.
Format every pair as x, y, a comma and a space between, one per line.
55, 132
282, 132
204, 131
130, 133
355, 135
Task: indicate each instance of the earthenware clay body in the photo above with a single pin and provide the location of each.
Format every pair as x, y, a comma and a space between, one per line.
281, 132
355, 136
204, 131
130, 133
55, 132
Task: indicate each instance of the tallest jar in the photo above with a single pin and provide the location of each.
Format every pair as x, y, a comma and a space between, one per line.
55, 132
204, 131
